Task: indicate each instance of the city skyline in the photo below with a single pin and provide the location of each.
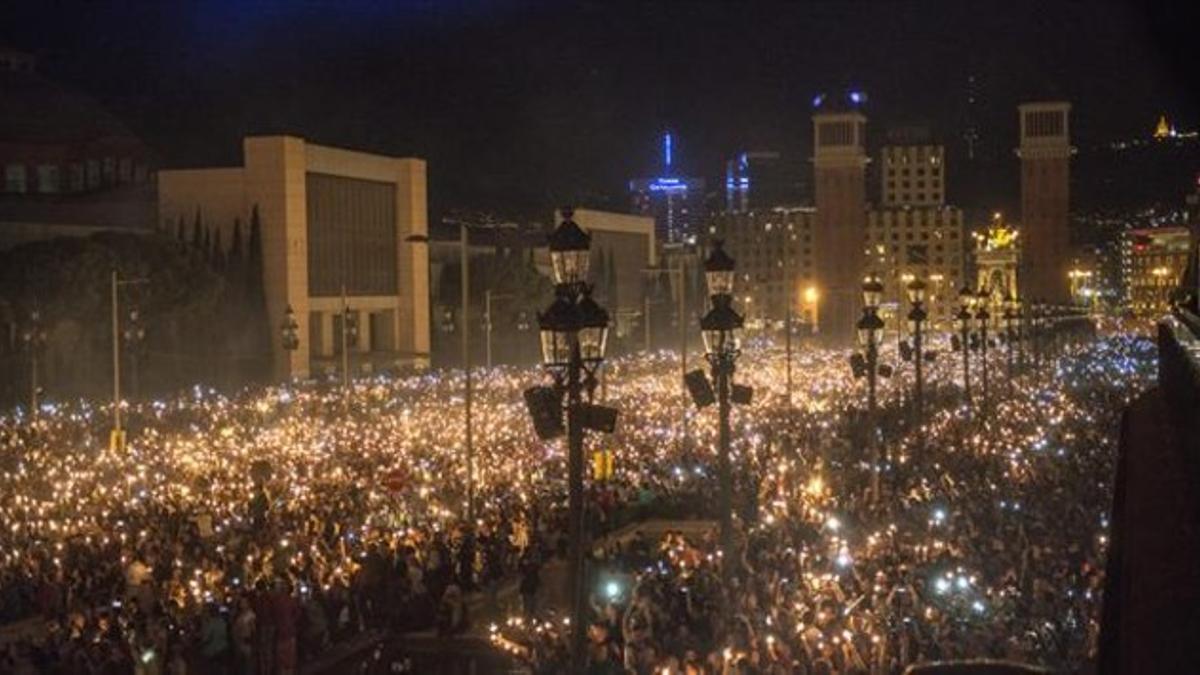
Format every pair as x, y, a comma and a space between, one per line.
464, 84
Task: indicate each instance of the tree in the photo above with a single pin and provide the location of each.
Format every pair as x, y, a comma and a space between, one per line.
206, 246
179, 236
217, 254
197, 234
235, 247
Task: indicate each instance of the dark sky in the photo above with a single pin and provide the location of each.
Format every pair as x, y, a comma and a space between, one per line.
521, 105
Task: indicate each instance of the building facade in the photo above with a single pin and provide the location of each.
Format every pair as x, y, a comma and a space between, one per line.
67, 166
1154, 261
909, 243
912, 175
762, 179
1045, 153
338, 229
778, 262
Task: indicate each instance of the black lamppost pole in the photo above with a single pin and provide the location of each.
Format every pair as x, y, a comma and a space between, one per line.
34, 338
870, 326
1010, 332
965, 300
917, 317
574, 334
983, 317
721, 329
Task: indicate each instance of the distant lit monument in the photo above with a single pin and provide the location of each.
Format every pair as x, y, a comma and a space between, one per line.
997, 260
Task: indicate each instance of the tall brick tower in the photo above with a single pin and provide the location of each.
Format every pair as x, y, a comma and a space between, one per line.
839, 167
1045, 154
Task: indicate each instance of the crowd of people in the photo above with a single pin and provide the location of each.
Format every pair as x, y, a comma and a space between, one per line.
248, 534
988, 541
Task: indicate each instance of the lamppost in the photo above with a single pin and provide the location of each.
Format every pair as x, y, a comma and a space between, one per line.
574, 334
34, 338
349, 338
1012, 309
116, 438
134, 334
721, 328
289, 330
966, 299
916, 319
984, 318
870, 327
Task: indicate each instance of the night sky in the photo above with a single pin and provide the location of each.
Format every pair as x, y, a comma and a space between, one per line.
520, 105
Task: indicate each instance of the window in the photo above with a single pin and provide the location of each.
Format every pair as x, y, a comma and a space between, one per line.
76, 184
110, 170
48, 178
125, 170
93, 174
14, 178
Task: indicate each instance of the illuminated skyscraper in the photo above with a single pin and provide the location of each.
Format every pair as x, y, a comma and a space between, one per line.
760, 180
675, 202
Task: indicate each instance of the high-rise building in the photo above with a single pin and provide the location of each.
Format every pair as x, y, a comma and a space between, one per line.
839, 168
762, 179
336, 228
1045, 153
774, 253
675, 202
923, 242
1154, 263
913, 175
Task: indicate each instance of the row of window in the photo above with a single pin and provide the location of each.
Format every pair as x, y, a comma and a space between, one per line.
74, 177
919, 172
910, 198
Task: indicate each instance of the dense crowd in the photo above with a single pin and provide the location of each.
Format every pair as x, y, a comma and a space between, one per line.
989, 541
248, 534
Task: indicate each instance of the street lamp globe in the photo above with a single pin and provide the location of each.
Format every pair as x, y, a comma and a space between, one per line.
593, 329
916, 317
872, 291
557, 326
290, 330
916, 291
718, 270
569, 251
966, 298
869, 327
721, 329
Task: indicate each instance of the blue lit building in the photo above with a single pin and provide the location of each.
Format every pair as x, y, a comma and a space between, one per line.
762, 180
675, 202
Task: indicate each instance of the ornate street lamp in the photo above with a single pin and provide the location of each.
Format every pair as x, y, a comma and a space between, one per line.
134, 334
721, 329
574, 336
983, 318
1012, 309
34, 337
917, 316
289, 330
966, 300
866, 363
